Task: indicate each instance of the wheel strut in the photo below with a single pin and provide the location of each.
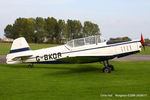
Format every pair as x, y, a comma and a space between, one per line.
107, 67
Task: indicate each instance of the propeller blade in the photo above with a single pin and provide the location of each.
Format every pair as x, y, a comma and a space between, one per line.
142, 41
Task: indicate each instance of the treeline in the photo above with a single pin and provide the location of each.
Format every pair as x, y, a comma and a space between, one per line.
147, 41
120, 38
50, 30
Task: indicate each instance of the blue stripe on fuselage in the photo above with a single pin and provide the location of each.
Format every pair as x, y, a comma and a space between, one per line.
19, 50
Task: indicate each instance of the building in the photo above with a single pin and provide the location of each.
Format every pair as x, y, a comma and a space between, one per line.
7, 40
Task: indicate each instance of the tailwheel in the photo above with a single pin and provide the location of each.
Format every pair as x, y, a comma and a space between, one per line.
111, 67
106, 70
30, 66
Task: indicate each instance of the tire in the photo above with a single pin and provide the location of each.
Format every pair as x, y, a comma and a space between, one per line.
111, 67
106, 70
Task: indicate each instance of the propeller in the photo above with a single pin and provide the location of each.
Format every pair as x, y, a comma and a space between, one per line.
142, 41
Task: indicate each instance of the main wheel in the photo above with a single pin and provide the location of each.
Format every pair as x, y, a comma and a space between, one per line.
106, 70
111, 67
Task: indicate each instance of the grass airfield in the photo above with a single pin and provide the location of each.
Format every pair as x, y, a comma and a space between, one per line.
74, 81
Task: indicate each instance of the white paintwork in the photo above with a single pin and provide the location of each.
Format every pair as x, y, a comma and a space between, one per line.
82, 51
19, 43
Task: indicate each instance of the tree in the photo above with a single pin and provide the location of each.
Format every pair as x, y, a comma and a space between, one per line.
50, 27
121, 38
147, 41
18, 26
90, 29
74, 28
70, 29
39, 32
29, 29
61, 33
24, 28
50, 30
9, 31
77, 29
126, 38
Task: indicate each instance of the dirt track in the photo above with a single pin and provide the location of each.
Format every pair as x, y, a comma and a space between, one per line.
2, 59
133, 58
127, 58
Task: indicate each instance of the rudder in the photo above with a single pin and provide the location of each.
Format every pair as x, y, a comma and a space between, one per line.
19, 45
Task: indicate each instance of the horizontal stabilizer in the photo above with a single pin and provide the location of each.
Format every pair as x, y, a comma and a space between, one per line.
24, 57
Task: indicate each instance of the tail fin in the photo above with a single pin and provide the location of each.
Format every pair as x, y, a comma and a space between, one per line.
20, 51
19, 45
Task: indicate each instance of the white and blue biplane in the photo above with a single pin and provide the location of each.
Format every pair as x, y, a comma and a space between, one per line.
83, 50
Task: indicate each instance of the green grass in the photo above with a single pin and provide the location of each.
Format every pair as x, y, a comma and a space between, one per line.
145, 52
74, 82
5, 47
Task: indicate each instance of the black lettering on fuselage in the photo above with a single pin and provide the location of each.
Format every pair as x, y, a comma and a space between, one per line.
45, 57
54, 56
59, 54
37, 58
48, 56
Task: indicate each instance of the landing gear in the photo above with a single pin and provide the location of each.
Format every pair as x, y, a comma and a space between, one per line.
30, 66
111, 67
108, 68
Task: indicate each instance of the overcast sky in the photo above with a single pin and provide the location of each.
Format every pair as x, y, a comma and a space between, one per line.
116, 18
